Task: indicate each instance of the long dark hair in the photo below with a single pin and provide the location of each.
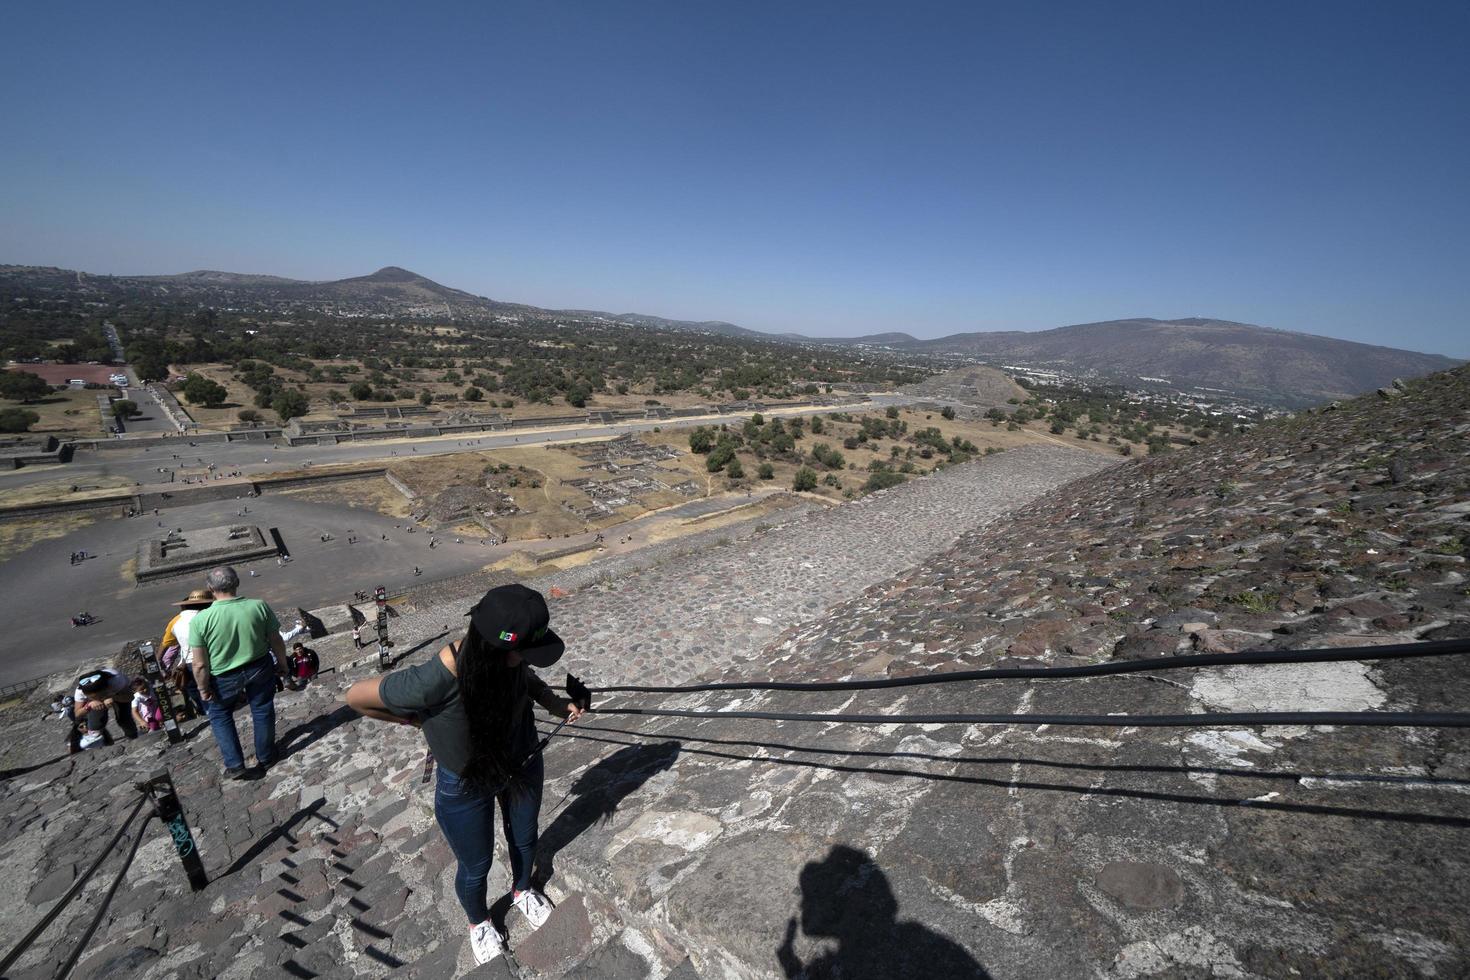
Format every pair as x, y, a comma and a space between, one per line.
489, 691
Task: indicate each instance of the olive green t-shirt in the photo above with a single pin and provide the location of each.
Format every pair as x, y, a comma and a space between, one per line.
234, 632
429, 692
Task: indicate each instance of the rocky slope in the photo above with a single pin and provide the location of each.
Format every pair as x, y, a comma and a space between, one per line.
728, 848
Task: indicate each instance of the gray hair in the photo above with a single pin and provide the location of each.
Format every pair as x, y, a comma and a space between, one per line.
222, 579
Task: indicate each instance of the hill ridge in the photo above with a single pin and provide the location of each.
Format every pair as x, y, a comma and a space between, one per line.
1265, 364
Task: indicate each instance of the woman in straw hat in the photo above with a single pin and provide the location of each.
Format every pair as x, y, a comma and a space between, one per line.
174, 651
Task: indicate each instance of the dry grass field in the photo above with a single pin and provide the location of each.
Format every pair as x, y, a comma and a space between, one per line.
19, 534
370, 493
60, 489
68, 412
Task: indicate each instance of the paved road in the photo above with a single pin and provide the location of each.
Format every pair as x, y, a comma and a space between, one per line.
47, 590
42, 590
153, 421
256, 458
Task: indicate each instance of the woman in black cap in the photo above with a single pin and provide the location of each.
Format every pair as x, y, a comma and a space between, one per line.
473, 702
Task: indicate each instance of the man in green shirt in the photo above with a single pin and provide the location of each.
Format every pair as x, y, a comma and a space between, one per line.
232, 643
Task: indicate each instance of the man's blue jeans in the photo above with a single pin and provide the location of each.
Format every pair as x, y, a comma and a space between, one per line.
254, 683
468, 821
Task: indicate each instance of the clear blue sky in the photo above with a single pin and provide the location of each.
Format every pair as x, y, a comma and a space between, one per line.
831, 168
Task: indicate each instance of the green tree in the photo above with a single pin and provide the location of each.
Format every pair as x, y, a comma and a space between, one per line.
734, 470
817, 425
473, 394
248, 415
151, 367
805, 479
361, 391
125, 409
719, 456
577, 395
891, 411
766, 471
23, 386
425, 399
17, 419
289, 403
948, 412
200, 390
701, 440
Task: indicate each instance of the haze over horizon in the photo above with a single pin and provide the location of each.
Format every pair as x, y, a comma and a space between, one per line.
819, 170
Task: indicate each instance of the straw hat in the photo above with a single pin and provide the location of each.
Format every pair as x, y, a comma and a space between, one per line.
199, 597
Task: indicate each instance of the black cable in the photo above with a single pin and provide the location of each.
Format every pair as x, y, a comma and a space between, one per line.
76, 953
1394, 651
71, 893
1382, 719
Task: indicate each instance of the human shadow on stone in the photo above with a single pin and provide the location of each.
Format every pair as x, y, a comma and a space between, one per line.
846, 897
303, 735
1009, 782
596, 795
400, 657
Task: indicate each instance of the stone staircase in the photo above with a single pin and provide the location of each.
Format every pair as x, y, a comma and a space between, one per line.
332, 865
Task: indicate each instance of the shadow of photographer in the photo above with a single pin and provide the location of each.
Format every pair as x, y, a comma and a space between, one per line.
846, 897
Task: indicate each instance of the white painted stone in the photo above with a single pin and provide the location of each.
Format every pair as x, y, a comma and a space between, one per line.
1289, 687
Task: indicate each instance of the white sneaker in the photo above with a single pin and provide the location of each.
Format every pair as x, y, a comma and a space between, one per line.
486, 941
535, 906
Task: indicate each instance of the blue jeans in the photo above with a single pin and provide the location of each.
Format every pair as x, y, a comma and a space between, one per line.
254, 683
468, 821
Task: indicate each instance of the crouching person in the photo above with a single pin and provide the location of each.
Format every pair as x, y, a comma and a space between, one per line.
97, 691
473, 703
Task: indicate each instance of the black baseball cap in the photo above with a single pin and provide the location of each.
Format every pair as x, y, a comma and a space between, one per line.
514, 617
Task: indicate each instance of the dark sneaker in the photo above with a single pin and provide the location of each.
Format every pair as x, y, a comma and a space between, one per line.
239, 772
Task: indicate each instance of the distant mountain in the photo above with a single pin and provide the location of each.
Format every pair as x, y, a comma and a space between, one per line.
1279, 366
1266, 365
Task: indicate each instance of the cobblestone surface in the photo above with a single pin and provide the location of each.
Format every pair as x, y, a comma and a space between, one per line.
681, 849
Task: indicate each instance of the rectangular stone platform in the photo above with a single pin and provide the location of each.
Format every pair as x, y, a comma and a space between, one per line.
201, 549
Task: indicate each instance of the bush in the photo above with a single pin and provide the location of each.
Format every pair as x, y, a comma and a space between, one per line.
473, 394
805, 479
766, 471
948, 412
701, 440
361, 391
248, 415
426, 399
891, 411
734, 470
882, 480
125, 409
17, 419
